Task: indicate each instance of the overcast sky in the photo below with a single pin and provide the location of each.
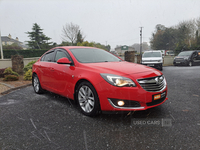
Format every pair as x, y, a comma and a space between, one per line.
115, 22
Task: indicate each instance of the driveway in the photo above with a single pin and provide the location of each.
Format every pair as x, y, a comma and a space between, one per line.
48, 121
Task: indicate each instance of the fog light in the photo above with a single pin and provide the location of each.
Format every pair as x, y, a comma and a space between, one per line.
120, 103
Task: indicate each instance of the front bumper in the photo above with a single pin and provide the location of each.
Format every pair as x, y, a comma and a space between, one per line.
135, 98
154, 65
180, 62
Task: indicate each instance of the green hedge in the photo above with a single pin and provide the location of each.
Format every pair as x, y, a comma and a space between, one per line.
26, 53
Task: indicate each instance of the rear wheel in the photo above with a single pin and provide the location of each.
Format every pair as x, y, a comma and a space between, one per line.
87, 99
36, 84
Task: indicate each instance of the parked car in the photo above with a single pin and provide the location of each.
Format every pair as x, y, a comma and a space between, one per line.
98, 81
169, 53
153, 59
188, 58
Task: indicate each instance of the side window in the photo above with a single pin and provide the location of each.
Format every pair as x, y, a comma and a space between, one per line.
42, 59
61, 54
49, 57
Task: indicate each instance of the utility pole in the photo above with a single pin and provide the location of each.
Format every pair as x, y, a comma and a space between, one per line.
1, 47
141, 41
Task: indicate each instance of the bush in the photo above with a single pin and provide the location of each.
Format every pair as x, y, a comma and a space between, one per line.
28, 75
2, 72
11, 78
28, 66
25, 53
9, 71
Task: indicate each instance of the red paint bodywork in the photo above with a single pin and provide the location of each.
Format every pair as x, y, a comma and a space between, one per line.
62, 79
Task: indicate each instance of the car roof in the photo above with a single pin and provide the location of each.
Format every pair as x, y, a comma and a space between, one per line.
187, 51
75, 47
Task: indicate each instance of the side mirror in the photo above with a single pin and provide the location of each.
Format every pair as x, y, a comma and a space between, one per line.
64, 60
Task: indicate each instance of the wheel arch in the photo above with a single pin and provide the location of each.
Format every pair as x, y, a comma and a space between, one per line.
33, 75
78, 83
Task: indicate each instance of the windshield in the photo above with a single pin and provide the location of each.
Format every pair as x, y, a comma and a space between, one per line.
89, 55
152, 54
187, 53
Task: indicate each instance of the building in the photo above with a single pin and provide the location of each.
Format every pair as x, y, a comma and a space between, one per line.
8, 40
121, 50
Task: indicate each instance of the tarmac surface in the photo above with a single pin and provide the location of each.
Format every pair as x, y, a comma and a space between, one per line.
48, 121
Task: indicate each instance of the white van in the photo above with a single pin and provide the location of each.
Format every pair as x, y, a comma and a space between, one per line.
153, 59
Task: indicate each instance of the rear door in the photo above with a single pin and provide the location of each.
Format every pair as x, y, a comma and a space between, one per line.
45, 68
61, 73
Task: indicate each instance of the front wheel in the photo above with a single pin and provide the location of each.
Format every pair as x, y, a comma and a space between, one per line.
87, 99
36, 84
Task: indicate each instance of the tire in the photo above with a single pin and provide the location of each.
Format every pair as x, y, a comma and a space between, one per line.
36, 85
161, 67
87, 99
190, 64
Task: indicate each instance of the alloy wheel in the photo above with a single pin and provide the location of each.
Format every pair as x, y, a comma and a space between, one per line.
36, 84
86, 99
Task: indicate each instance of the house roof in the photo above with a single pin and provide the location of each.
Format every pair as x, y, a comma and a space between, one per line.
7, 39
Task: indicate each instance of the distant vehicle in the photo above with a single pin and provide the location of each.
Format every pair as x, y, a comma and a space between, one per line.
169, 53
153, 59
163, 52
188, 58
98, 81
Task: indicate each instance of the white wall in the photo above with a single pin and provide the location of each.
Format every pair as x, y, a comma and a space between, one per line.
4, 63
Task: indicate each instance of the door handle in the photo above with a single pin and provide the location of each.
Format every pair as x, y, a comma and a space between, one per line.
52, 69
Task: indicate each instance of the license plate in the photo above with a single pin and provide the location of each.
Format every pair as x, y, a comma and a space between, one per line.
178, 62
150, 65
159, 96
156, 97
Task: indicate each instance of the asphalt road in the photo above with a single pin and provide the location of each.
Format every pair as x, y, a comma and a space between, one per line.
49, 122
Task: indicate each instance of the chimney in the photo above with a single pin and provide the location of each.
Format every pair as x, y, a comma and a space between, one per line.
17, 38
9, 36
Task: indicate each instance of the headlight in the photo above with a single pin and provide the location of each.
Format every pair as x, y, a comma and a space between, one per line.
186, 58
160, 60
118, 80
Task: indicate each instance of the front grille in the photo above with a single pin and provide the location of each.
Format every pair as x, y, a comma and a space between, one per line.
179, 59
150, 60
155, 84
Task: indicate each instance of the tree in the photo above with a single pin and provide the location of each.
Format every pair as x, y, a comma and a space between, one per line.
71, 32
184, 36
80, 38
93, 44
37, 39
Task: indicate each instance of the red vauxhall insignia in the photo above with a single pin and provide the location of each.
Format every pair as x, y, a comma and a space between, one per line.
98, 80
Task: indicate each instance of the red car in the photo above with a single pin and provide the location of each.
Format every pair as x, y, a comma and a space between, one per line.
98, 81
